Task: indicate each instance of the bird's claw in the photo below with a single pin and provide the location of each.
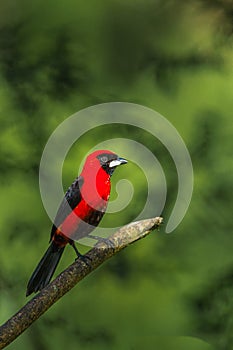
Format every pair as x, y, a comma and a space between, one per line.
107, 241
86, 259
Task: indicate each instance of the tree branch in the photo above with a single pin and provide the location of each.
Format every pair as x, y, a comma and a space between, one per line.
31, 311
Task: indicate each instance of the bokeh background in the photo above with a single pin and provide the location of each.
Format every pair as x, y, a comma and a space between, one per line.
57, 57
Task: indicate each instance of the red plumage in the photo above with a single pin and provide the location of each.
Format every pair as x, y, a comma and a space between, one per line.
81, 210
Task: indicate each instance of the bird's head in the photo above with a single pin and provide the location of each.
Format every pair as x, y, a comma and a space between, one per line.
104, 159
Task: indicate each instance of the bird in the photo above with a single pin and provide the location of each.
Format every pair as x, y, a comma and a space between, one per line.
79, 213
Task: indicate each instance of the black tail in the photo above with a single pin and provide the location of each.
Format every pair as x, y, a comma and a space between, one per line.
45, 269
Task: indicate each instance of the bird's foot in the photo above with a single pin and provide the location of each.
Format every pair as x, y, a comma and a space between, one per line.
84, 258
107, 241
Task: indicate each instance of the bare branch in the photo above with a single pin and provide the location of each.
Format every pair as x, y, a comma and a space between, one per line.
18, 323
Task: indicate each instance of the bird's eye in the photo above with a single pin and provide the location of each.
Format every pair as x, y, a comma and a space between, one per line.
104, 159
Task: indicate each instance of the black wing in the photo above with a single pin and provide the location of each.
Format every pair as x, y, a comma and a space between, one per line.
69, 202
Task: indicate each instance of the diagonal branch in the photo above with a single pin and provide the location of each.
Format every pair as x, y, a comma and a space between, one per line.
31, 311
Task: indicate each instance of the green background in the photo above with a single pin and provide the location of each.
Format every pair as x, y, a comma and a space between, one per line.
57, 57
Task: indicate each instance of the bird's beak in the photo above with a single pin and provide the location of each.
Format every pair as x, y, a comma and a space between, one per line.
116, 162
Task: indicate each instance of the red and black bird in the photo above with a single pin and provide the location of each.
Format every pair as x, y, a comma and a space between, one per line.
81, 210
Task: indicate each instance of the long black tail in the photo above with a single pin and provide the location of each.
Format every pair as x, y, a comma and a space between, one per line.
45, 269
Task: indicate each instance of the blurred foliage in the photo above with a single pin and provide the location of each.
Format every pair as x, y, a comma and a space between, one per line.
175, 57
